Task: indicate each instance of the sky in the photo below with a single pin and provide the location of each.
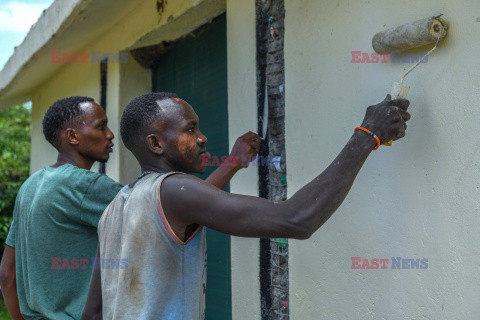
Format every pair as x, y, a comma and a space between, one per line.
16, 18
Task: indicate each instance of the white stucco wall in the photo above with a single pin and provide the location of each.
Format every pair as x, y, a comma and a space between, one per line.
242, 113
416, 199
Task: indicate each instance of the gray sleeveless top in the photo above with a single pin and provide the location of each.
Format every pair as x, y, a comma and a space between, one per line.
147, 272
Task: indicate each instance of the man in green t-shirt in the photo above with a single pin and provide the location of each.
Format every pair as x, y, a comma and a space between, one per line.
47, 263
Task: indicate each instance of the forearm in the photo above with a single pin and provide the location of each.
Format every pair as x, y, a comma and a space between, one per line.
10, 296
318, 200
8, 281
222, 176
94, 304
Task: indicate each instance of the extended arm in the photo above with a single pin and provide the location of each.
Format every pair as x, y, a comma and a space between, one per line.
93, 306
190, 200
8, 281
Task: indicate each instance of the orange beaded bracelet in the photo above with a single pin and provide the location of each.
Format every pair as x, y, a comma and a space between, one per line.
372, 134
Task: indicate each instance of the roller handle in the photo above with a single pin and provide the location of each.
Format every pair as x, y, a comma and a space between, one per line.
398, 91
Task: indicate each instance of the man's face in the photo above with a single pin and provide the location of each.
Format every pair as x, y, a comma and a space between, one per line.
183, 142
94, 136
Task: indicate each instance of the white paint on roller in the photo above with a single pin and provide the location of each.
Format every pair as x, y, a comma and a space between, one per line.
411, 35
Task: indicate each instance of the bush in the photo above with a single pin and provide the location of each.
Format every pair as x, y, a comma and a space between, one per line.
14, 161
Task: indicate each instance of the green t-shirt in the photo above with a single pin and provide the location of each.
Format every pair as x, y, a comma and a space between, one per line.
54, 233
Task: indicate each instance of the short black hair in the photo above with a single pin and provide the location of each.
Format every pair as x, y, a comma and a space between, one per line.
139, 114
63, 112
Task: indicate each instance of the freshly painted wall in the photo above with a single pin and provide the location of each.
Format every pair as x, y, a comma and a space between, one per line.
416, 199
242, 113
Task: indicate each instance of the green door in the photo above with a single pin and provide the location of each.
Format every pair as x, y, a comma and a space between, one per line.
196, 70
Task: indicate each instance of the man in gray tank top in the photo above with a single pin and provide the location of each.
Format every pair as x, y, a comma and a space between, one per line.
157, 223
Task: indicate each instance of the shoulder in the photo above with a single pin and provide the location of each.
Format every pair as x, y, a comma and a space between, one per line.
106, 181
81, 181
91, 178
35, 176
180, 196
184, 190
31, 179
103, 187
71, 173
174, 183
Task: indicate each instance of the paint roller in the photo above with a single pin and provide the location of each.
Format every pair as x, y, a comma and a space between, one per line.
408, 36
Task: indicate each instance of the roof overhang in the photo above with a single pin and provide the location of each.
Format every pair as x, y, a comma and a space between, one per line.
66, 24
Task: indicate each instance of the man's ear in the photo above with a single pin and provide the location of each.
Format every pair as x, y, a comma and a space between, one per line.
72, 136
154, 144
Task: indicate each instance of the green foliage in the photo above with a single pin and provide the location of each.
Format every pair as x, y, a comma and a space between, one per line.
5, 223
14, 160
3, 311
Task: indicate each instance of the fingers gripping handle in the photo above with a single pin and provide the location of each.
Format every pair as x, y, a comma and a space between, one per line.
398, 91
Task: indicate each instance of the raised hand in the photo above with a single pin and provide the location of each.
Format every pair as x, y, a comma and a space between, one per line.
387, 119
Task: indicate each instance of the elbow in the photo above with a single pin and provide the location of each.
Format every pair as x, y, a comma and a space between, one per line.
306, 222
300, 231
303, 234
300, 228
296, 223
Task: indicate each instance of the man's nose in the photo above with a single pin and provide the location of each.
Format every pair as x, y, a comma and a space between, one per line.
202, 139
110, 134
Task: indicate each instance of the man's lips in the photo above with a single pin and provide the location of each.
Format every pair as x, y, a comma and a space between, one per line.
110, 147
